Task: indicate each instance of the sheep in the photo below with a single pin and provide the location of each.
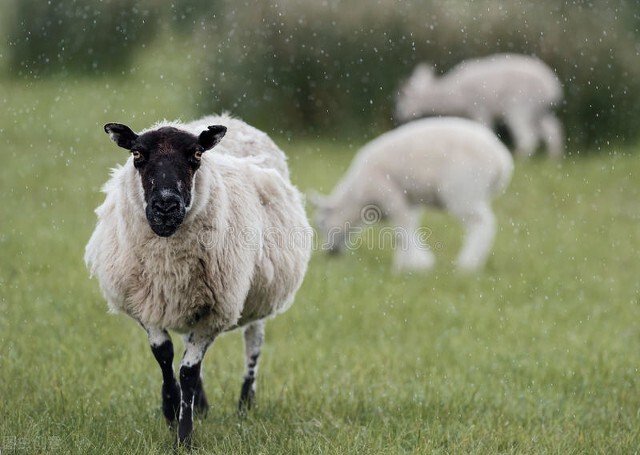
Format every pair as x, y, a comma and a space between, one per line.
199, 243
449, 163
516, 90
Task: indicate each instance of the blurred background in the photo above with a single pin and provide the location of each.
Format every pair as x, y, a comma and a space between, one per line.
323, 68
537, 353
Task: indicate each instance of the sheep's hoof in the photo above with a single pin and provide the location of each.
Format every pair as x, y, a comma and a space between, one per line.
170, 403
184, 438
171, 417
247, 400
179, 443
171, 424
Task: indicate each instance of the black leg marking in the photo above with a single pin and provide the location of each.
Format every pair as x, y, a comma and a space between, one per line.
189, 376
247, 396
191, 384
248, 392
200, 403
253, 339
170, 390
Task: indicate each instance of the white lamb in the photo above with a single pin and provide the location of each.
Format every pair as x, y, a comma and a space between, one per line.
450, 163
200, 243
518, 90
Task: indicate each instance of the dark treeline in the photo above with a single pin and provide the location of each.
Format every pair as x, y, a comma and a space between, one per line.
333, 67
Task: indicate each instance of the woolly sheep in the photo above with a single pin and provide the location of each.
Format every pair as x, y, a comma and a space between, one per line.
450, 163
199, 243
517, 90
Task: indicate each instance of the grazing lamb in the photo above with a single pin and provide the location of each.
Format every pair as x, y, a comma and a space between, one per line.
450, 163
517, 90
200, 243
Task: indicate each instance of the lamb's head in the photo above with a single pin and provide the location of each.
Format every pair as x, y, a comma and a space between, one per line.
336, 221
412, 98
166, 160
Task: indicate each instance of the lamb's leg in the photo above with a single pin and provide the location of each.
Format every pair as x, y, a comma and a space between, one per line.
480, 227
551, 132
162, 349
253, 339
411, 252
524, 131
195, 347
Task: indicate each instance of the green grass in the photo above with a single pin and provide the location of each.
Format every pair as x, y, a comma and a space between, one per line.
538, 353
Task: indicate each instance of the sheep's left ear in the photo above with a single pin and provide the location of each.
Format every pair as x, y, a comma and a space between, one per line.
121, 135
211, 136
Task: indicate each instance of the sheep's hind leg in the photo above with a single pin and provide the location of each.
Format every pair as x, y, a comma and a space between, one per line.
195, 347
200, 402
524, 130
551, 132
480, 227
162, 349
253, 339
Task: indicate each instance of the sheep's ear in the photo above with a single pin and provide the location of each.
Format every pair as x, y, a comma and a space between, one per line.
317, 200
211, 136
121, 135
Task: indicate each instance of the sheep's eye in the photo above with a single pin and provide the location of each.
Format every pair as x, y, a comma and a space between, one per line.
197, 155
136, 155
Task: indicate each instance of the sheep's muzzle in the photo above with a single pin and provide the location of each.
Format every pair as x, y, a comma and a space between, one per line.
165, 213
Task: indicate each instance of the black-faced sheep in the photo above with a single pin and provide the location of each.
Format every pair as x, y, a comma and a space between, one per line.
450, 163
200, 243
517, 90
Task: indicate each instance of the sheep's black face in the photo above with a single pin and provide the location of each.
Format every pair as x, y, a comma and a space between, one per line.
167, 160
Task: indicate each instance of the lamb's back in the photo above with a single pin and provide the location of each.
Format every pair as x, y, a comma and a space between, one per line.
426, 154
506, 78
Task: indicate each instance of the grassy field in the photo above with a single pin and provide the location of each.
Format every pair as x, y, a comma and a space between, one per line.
538, 353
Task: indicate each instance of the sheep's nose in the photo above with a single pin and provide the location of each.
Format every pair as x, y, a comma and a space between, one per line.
165, 204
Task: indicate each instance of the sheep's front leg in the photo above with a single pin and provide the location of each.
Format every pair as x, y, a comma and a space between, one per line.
162, 349
195, 347
253, 339
411, 253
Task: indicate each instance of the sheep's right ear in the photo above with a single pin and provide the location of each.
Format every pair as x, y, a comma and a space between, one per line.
211, 136
121, 135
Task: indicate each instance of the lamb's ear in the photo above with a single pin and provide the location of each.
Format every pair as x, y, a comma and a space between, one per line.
424, 72
316, 199
211, 136
121, 135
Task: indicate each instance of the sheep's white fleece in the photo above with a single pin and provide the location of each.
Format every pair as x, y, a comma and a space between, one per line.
519, 90
452, 163
239, 256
